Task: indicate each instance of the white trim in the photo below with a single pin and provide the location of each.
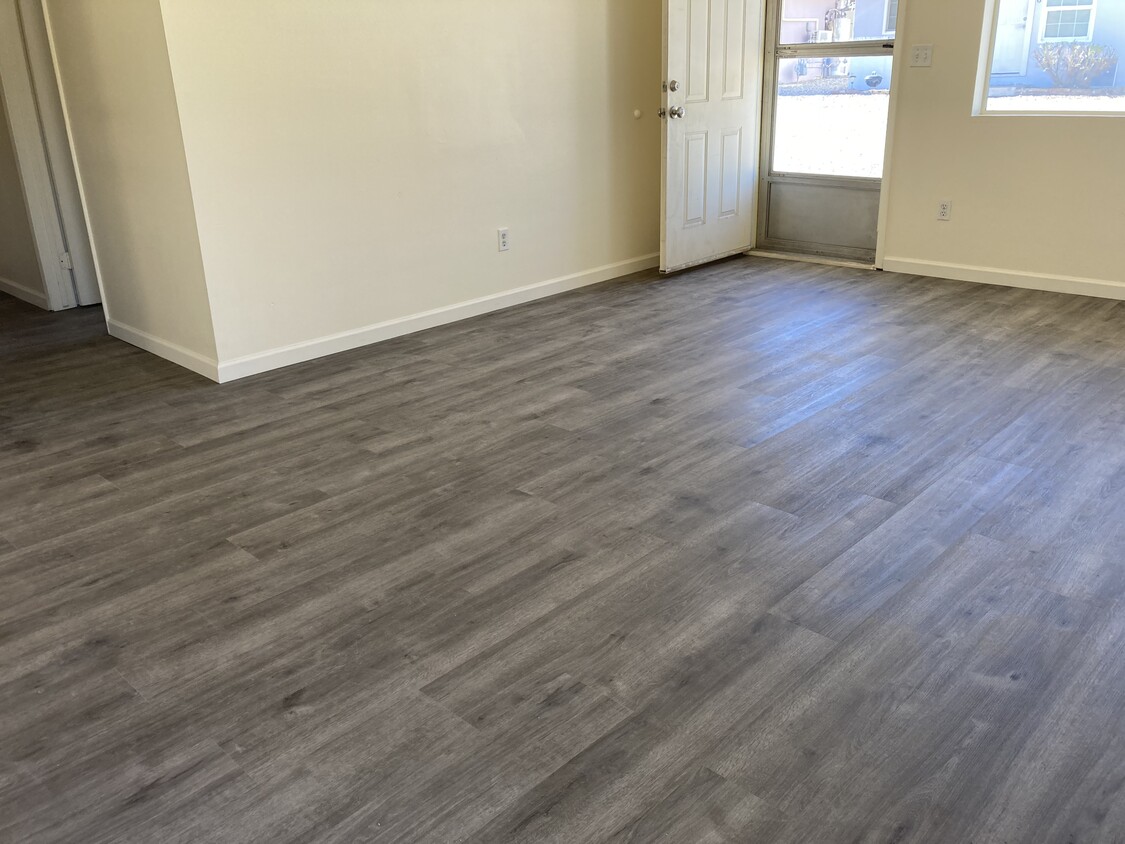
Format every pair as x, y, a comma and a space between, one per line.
759, 114
898, 65
64, 179
982, 94
1073, 6
1019, 113
886, 16
985, 59
186, 358
1102, 288
80, 184
322, 346
35, 297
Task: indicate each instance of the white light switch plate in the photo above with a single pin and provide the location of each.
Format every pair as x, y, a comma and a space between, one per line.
921, 55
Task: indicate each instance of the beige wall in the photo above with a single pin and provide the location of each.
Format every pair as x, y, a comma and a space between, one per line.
118, 93
1036, 200
19, 264
351, 161
345, 165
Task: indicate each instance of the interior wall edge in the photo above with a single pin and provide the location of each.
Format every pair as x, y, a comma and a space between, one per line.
20, 291
1101, 288
207, 367
160, 5
121, 115
271, 359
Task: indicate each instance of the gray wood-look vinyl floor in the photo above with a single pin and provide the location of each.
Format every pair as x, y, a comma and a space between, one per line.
764, 552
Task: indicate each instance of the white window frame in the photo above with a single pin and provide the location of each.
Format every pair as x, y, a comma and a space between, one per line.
1073, 6
984, 74
887, 16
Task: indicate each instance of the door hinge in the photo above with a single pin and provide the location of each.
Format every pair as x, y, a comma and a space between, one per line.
64, 259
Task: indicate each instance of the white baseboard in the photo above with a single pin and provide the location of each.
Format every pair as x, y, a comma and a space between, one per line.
1102, 288
322, 346
34, 297
186, 358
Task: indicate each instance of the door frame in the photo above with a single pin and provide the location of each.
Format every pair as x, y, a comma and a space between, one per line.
30, 96
898, 66
771, 54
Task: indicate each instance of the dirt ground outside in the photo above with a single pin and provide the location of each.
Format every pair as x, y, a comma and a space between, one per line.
833, 134
1059, 102
844, 134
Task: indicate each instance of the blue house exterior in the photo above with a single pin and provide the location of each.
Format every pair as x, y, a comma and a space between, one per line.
1025, 25
1022, 27
825, 21
874, 20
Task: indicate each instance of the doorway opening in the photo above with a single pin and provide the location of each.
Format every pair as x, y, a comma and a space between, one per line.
825, 108
775, 122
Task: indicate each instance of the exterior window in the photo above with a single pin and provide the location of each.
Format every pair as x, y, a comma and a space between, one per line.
1064, 20
890, 19
1055, 57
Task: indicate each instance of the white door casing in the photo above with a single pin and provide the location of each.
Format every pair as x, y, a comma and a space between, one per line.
17, 95
56, 140
713, 60
29, 93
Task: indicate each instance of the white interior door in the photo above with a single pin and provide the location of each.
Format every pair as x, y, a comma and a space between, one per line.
825, 116
712, 77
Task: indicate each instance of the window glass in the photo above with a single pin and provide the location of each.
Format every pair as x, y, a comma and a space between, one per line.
1058, 56
892, 17
833, 21
831, 115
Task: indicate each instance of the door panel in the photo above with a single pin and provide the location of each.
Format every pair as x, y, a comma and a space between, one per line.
731, 178
713, 73
695, 179
734, 50
841, 217
699, 51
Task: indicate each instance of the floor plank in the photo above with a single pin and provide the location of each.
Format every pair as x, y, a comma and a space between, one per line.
766, 551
